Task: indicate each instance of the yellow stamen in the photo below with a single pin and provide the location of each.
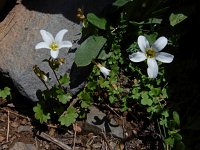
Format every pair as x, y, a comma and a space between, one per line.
150, 53
54, 46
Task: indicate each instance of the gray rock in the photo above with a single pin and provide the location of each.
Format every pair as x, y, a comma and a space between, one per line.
97, 118
20, 33
23, 146
26, 128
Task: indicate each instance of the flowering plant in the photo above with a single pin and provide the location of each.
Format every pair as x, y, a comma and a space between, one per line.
151, 54
54, 44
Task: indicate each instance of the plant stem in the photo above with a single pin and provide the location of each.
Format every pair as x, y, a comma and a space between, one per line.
56, 78
160, 132
45, 85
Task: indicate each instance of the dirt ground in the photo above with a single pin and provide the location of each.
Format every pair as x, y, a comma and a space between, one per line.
17, 127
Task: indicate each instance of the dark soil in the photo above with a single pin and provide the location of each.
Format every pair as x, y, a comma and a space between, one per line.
139, 133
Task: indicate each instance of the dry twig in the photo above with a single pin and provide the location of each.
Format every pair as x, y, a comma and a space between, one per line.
8, 127
53, 140
74, 140
105, 139
14, 113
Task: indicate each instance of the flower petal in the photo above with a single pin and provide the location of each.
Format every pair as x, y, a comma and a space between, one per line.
67, 44
42, 45
143, 43
165, 57
60, 35
137, 57
47, 37
152, 69
105, 71
54, 54
159, 44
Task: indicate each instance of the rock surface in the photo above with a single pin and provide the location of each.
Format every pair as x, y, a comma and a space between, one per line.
19, 33
23, 146
99, 120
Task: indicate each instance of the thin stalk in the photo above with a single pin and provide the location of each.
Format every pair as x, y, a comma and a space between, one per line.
45, 85
57, 78
54, 73
160, 132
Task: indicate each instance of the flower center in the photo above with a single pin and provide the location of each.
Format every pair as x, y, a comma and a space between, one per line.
54, 46
150, 53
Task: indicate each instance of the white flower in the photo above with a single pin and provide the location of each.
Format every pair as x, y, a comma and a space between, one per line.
104, 70
54, 44
152, 53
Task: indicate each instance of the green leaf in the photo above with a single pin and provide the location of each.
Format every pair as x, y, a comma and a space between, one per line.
64, 98
177, 137
154, 21
64, 80
180, 146
68, 117
40, 115
145, 99
5, 92
156, 91
103, 55
170, 141
86, 99
112, 99
163, 122
135, 93
176, 18
174, 131
153, 109
176, 118
89, 50
120, 3
165, 113
96, 21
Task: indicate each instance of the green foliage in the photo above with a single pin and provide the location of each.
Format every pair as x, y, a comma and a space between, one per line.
55, 102
127, 84
176, 18
40, 115
176, 118
64, 80
108, 41
120, 3
89, 50
68, 117
5, 92
96, 21
64, 98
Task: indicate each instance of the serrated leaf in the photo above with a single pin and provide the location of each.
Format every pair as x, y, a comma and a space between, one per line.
120, 3
146, 100
176, 18
103, 55
165, 114
64, 80
176, 118
86, 99
163, 122
64, 98
89, 50
96, 21
5, 92
39, 114
69, 116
